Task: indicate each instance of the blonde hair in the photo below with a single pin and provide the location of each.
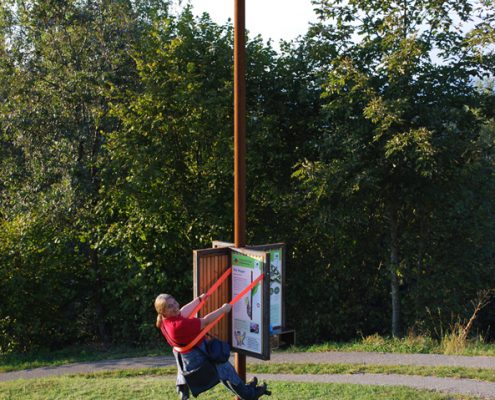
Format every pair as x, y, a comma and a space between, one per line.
160, 307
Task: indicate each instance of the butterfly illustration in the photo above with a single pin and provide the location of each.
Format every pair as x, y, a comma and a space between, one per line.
239, 337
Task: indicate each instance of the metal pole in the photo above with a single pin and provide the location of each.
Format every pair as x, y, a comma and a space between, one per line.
239, 124
240, 142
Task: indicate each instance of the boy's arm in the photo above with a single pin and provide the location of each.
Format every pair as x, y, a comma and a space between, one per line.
208, 319
186, 310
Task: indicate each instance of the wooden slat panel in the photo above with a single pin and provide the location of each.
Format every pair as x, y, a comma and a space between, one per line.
209, 268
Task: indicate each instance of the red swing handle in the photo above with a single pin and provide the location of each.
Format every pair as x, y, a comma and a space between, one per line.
215, 286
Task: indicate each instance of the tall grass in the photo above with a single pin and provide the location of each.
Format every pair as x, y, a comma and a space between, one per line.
451, 343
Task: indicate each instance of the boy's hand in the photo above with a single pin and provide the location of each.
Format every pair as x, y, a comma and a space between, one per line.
226, 307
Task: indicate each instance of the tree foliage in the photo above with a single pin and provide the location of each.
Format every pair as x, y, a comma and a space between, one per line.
403, 137
370, 153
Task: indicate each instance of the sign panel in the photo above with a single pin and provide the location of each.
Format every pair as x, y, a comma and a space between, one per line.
251, 314
275, 288
208, 267
277, 279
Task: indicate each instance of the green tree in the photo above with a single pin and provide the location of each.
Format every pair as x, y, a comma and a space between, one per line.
402, 118
60, 58
168, 179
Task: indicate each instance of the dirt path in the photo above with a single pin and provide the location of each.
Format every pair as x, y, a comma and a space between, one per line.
337, 357
462, 386
87, 367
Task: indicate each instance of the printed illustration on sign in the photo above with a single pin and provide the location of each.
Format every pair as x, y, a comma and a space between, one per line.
247, 319
276, 287
239, 338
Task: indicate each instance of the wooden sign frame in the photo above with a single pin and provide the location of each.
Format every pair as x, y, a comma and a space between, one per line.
208, 266
267, 248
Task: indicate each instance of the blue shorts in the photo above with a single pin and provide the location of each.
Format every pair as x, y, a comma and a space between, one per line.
196, 357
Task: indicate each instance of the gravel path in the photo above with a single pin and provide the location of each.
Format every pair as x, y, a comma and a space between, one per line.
337, 357
87, 367
463, 386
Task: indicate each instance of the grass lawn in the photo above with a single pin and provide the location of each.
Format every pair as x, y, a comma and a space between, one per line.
411, 345
480, 374
155, 388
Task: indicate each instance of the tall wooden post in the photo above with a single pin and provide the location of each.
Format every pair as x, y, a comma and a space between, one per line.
240, 142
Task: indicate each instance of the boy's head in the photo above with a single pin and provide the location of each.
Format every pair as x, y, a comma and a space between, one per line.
166, 305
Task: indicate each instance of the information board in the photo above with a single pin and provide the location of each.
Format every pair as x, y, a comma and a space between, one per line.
275, 288
251, 315
277, 279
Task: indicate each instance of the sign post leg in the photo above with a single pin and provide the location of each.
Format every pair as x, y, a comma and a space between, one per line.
240, 365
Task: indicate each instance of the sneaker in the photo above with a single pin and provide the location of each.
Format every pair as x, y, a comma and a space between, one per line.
184, 396
183, 392
253, 382
262, 390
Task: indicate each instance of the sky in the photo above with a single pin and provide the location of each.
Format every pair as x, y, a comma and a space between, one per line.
273, 19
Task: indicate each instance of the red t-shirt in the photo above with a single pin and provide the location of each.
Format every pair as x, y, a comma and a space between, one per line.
180, 330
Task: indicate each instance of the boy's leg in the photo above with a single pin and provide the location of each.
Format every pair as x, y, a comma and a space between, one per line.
183, 392
247, 392
180, 383
228, 376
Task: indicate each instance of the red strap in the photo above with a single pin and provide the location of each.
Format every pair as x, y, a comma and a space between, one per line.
224, 276
210, 326
250, 287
